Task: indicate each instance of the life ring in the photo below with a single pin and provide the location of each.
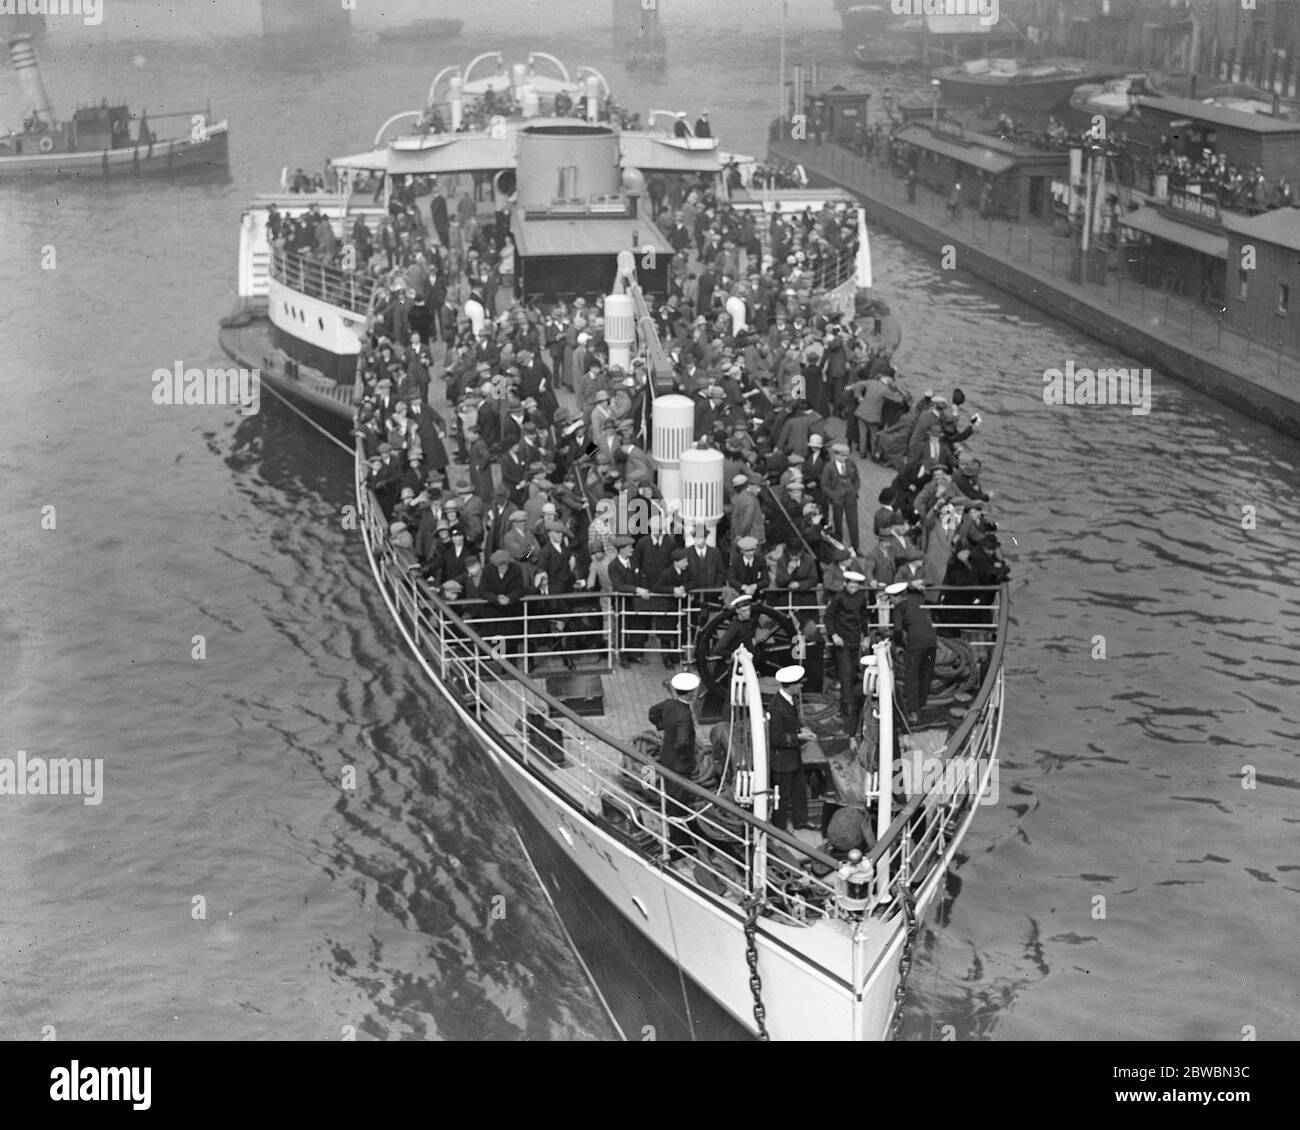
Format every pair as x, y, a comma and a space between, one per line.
46, 145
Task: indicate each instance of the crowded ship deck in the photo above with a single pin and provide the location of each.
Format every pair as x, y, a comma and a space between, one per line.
639, 451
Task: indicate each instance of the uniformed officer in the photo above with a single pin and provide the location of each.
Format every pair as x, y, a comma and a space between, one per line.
784, 742
677, 752
848, 619
741, 630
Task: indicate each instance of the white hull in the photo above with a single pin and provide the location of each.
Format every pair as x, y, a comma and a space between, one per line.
316, 323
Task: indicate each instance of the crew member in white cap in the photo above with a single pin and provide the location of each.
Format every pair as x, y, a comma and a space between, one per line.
677, 751
741, 630
785, 760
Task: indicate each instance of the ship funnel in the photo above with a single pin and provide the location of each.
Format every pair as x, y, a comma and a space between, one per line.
23, 55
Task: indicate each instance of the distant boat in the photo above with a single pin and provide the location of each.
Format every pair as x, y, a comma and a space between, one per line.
1016, 86
891, 53
423, 29
97, 142
1115, 98
864, 22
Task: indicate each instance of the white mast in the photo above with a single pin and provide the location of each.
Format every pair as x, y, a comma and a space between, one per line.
745, 692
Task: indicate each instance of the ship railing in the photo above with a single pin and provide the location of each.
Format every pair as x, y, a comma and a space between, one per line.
907, 856
309, 276
596, 628
657, 813
835, 271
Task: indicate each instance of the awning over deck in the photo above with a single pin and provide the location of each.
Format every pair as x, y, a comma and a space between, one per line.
1152, 222
977, 156
443, 153
653, 154
538, 239
375, 160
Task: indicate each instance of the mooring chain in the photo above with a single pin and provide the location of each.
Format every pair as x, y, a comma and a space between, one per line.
753, 905
905, 960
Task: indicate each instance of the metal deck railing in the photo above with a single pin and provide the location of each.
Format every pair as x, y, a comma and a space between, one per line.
654, 811
309, 276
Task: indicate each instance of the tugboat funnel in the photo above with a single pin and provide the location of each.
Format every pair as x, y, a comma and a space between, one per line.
23, 55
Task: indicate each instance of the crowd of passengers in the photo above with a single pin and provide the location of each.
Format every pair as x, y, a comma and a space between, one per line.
790, 393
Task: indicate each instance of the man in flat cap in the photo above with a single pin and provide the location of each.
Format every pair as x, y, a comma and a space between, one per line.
746, 511
747, 573
840, 485
624, 579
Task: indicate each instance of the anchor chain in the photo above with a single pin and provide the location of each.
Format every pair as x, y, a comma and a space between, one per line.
905, 960
753, 905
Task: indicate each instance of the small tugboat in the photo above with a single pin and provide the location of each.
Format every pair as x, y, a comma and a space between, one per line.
97, 141
422, 30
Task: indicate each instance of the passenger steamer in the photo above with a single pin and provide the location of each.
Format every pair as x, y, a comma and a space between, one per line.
760, 932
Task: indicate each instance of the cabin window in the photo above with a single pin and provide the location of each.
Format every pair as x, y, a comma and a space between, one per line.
1242, 280
1283, 298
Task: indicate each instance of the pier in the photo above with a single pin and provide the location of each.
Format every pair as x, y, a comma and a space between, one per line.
1028, 259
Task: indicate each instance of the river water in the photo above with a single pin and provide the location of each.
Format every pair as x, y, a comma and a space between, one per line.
1126, 884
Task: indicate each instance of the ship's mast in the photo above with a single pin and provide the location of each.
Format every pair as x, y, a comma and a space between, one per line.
23, 54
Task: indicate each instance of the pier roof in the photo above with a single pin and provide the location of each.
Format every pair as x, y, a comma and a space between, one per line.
1280, 227
978, 156
1219, 115
1151, 221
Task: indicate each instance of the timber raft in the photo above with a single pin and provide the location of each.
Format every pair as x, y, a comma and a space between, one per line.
1027, 259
